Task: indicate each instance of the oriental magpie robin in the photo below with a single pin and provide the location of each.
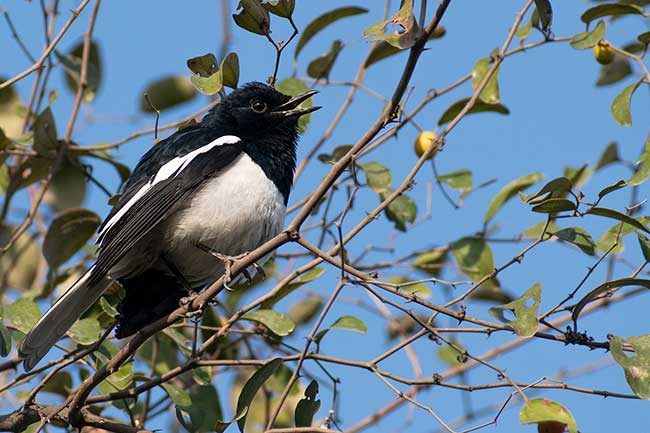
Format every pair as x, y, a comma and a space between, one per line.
216, 188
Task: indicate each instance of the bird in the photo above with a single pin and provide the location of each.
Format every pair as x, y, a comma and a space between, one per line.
209, 192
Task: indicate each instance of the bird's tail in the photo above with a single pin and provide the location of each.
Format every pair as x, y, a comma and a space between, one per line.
60, 317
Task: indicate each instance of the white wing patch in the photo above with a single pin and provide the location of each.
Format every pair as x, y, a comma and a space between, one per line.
169, 170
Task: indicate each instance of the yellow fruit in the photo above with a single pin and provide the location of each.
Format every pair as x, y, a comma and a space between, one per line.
423, 142
603, 52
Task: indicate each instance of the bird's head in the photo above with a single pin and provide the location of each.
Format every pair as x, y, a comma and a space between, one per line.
256, 108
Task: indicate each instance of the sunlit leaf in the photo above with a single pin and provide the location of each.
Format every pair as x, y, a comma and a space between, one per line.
22, 314
304, 310
509, 191
585, 40
479, 107
276, 322
406, 28
558, 186
609, 156
293, 87
525, 321
554, 205
303, 279
281, 8
324, 20
644, 243
539, 410
474, 257
230, 70
85, 331
637, 366
420, 289
490, 93
382, 49
378, 176
350, 323
621, 105
178, 395
643, 167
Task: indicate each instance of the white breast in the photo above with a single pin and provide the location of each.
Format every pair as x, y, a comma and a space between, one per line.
232, 213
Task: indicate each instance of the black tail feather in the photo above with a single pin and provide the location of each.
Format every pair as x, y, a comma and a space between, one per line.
149, 297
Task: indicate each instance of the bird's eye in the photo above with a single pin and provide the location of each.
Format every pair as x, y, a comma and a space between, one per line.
258, 106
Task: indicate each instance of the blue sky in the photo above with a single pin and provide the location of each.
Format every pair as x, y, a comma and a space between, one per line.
557, 118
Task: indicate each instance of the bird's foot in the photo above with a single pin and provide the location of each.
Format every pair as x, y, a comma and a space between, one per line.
228, 261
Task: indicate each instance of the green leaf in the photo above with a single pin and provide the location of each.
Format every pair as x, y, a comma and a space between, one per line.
107, 307
615, 187
382, 49
509, 191
22, 314
303, 279
253, 17
474, 258
338, 153
490, 93
608, 239
252, 385
525, 321
644, 38
276, 322
321, 66
72, 62
479, 107
350, 323
293, 87
324, 20
609, 156
586, 40
60, 384
307, 407
616, 71
281, 8
304, 310
558, 186
20, 264
45, 133
179, 396
85, 331
621, 105
400, 211
637, 366
605, 288
431, 262
578, 176
545, 13
420, 289
540, 410
449, 354
644, 243
5, 340
578, 237
406, 28
67, 188
230, 70
203, 66
204, 410
643, 167
167, 92
460, 180
68, 232
535, 230
613, 214
554, 205
523, 31
610, 9
206, 75
378, 176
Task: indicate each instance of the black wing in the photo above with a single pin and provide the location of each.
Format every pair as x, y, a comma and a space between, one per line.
147, 210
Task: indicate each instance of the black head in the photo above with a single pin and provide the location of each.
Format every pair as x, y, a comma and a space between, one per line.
258, 108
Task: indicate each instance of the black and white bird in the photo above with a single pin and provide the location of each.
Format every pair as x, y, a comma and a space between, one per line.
217, 188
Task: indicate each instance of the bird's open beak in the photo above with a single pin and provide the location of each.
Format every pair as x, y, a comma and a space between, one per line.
290, 108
